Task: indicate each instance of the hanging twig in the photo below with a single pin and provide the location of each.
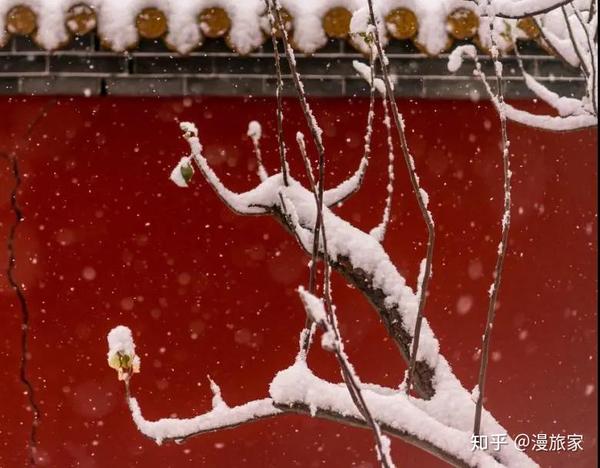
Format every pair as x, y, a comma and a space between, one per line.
316, 134
278, 90
593, 55
503, 247
583, 65
419, 194
330, 326
379, 231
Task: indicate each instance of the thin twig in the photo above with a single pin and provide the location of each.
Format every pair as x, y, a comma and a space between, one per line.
593, 51
419, 194
503, 247
310, 119
318, 141
582, 63
348, 375
380, 230
278, 89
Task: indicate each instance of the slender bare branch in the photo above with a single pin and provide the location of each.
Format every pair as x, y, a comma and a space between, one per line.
315, 131
379, 231
582, 64
278, 90
351, 185
593, 54
418, 192
353, 385
503, 247
16, 286
329, 323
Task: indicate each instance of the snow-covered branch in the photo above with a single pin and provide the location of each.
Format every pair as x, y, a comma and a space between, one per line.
362, 260
570, 31
332, 341
523, 8
278, 92
255, 134
439, 417
420, 194
297, 390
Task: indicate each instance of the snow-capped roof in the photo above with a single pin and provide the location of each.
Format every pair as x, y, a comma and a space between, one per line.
432, 25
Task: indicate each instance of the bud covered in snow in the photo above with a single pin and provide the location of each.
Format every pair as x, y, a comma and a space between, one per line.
183, 172
121, 352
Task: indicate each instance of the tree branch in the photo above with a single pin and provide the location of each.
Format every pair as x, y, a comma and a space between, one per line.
419, 193
280, 140
503, 247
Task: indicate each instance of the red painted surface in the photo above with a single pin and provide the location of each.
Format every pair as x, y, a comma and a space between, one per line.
108, 239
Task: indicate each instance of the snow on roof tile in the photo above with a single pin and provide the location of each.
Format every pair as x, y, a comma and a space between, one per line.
433, 25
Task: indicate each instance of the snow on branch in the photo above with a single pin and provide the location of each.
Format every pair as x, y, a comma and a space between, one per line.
570, 30
439, 417
378, 232
298, 387
297, 390
523, 8
362, 260
565, 106
367, 73
121, 352
549, 122
255, 134
316, 309
220, 417
240, 203
574, 114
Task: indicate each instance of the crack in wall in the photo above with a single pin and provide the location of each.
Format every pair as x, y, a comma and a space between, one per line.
25, 312
18, 288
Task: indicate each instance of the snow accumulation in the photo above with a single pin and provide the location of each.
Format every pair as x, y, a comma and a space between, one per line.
314, 306
120, 340
121, 352
444, 423
364, 71
254, 130
219, 417
445, 420
179, 175
117, 20
576, 49
298, 384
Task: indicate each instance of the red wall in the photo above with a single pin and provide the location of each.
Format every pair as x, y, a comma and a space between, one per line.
108, 239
